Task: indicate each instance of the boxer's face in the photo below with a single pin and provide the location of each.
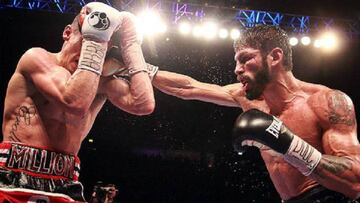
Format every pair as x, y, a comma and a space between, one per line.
72, 48
252, 71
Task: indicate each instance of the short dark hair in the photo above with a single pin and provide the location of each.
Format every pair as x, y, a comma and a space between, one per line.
265, 38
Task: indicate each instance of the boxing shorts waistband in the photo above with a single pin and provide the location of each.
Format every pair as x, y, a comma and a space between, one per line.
38, 162
320, 194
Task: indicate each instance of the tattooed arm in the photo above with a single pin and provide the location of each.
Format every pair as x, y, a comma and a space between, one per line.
339, 168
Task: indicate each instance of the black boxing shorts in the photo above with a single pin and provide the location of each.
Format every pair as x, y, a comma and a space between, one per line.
33, 174
320, 194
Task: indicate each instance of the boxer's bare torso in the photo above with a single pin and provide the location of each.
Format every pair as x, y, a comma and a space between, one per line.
34, 114
303, 121
31, 118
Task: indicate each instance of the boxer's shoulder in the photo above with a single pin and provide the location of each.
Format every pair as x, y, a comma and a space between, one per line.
332, 107
35, 52
35, 58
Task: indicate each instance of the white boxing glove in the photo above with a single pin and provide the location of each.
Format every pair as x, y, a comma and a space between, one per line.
99, 21
130, 44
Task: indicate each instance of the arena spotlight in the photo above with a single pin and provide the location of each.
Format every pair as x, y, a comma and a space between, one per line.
184, 28
293, 41
150, 22
223, 33
209, 30
317, 43
305, 40
234, 34
329, 41
197, 31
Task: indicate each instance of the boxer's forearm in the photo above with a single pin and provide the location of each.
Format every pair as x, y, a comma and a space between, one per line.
173, 84
80, 91
81, 87
187, 88
340, 174
141, 90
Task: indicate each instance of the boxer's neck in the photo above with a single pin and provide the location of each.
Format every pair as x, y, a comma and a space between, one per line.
281, 91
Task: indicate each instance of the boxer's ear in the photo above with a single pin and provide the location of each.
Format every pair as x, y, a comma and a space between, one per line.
67, 32
276, 56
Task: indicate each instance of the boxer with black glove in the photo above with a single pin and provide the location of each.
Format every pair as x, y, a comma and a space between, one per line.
256, 128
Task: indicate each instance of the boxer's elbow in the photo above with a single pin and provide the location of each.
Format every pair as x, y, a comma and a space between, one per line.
144, 107
76, 107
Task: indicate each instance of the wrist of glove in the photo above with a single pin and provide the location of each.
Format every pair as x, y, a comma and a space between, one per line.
151, 70
115, 67
92, 56
303, 156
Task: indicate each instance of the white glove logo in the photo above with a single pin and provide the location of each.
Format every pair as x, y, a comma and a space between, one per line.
99, 20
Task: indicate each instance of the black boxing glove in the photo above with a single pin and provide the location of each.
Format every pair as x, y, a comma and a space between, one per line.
256, 128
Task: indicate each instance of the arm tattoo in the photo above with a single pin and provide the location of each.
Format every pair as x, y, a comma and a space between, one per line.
23, 115
334, 165
341, 110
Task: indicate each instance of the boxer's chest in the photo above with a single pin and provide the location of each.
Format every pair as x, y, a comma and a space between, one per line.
302, 121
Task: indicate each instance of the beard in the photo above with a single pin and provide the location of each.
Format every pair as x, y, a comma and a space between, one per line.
259, 83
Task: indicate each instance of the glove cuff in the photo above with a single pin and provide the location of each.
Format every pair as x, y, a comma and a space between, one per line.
92, 56
152, 70
303, 156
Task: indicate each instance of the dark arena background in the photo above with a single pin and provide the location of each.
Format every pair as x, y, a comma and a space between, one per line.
182, 152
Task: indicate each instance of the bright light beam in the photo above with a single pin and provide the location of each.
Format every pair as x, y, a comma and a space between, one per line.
150, 22
305, 40
184, 28
329, 41
209, 30
223, 33
234, 34
293, 41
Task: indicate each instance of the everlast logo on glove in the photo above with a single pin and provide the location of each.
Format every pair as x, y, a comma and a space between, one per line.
274, 127
41, 161
99, 20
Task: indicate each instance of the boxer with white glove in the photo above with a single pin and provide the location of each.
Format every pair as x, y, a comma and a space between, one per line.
98, 22
256, 128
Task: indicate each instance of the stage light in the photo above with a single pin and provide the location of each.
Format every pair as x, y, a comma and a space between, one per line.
197, 31
209, 30
161, 28
234, 34
293, 41
150, 22
317, 43
329, 41
305, 40
184, 28
223, 33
